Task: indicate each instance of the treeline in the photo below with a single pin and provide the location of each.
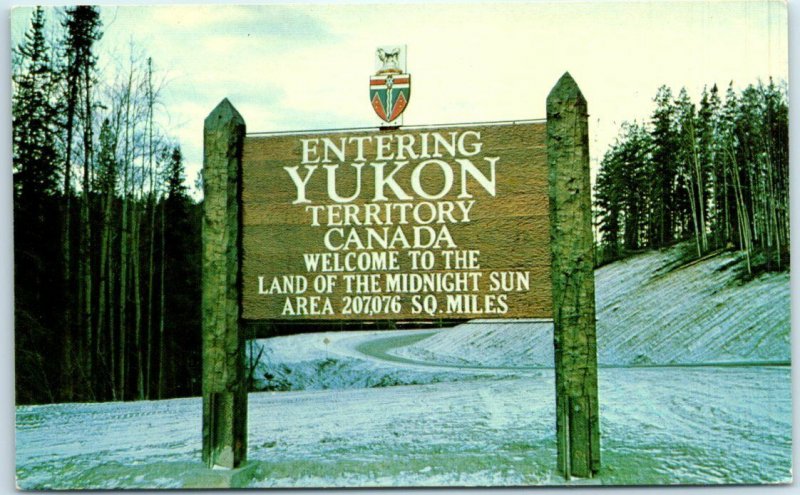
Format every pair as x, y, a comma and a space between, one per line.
715, 173
106, 237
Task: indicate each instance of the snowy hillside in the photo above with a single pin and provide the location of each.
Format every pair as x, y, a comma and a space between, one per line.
650, 311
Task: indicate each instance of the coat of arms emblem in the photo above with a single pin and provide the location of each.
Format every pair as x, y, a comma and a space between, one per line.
390, 87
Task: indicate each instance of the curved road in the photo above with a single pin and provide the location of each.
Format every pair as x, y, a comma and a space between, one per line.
380, 348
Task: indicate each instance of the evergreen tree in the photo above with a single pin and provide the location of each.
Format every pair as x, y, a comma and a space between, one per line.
607, 202
637, 155
35, 186
89, 210
182, 283
663, 182
34, 122
709, 117
621, 195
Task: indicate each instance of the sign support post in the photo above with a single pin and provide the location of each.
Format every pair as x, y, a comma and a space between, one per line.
224, 384
577, 416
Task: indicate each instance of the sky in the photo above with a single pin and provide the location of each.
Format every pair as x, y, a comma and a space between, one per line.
302, 66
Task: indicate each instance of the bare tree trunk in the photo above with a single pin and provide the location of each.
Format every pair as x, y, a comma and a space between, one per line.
112, 370
773, 210
690, 191
110, 227
125, 238
728, 229
162, 307
86, 240
742, 216
68, 374
700, 222
103, 292
152, 206
137, 288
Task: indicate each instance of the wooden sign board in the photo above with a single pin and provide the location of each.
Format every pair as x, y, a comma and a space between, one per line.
409, 224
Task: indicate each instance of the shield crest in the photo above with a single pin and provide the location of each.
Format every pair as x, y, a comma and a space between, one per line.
389, 94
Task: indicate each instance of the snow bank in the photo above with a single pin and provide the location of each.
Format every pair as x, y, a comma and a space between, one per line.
650, 311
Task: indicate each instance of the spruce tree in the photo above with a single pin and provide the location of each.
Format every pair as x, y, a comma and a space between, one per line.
35, 166
663, 170
34, 123
182, 282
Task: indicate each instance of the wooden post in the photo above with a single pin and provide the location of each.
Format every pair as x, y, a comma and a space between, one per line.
224, 387
577, 417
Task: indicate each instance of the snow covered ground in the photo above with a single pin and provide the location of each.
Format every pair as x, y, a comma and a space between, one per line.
659, 426
474, 405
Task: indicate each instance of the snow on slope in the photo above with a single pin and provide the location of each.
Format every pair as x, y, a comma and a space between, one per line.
648, 312
660, 426
700, 313
517, 343
317, 361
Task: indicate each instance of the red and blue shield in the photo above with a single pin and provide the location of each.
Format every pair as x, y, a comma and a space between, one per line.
389, 94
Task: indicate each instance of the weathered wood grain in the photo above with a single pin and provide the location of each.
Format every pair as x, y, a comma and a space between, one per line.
577, 417
511, 229
224, 384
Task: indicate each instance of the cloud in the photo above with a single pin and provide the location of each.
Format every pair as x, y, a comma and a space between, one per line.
271, 21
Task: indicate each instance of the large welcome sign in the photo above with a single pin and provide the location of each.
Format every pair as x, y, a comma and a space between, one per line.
448, 222
427, 223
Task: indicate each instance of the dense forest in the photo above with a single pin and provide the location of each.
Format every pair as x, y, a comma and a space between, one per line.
106, 236
714, 173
